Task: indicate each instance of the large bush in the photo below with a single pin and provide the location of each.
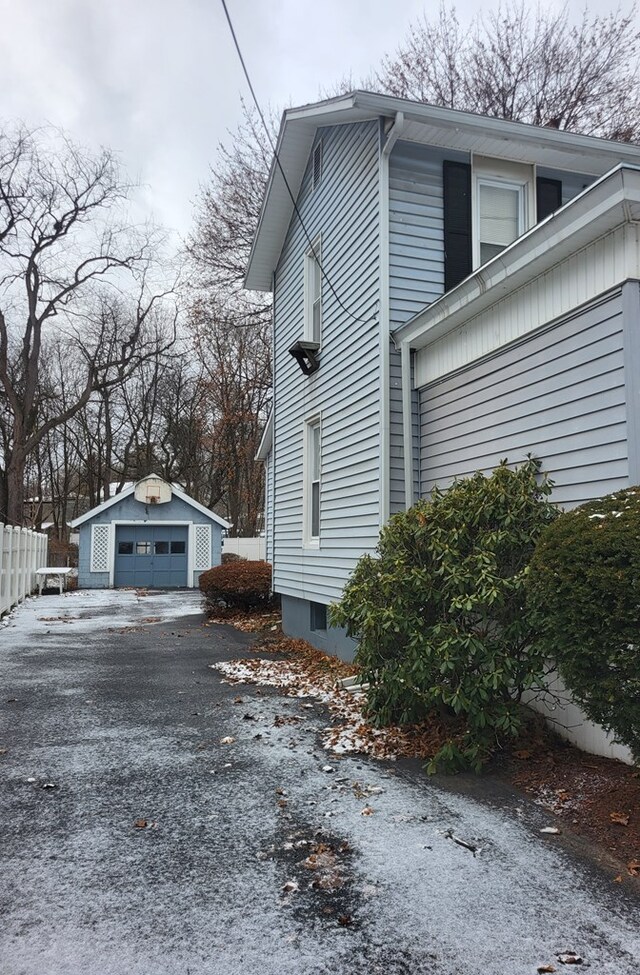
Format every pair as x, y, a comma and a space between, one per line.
584, 586
240, 585
440, 611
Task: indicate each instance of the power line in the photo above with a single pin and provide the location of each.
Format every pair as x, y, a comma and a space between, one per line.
356, 318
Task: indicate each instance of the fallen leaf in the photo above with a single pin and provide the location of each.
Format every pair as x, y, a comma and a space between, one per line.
618, 879
367, 811
622, 819
634, 868
570, 958
345, 920
238, 700
523, 754
140, 823
229, 740
543, 969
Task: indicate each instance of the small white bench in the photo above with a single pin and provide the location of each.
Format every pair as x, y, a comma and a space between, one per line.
52, 570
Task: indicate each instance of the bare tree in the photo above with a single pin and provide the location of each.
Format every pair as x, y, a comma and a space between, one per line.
231, 327
528, 65
71, 266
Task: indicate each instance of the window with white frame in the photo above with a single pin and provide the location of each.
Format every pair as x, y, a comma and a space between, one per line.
313, 293
312, 469
503, 205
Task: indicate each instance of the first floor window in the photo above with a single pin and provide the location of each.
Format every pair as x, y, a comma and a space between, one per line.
312, 481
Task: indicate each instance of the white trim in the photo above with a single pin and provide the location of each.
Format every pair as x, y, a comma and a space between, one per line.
266, 441
383, 335
312, 275
130, 490
197, 567
407, 424
310, 541
106, 526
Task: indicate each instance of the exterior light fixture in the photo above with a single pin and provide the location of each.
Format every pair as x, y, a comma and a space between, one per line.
305, 354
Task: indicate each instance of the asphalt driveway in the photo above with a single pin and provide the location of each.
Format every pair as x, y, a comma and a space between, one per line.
260, 854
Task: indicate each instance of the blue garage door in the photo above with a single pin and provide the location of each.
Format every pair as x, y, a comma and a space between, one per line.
151, 556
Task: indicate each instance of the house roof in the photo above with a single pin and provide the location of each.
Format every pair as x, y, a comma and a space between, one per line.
427, 124
127, 492
612, 200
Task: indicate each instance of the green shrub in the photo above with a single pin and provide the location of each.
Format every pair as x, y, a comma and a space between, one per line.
440, 612
584, 587
240, 585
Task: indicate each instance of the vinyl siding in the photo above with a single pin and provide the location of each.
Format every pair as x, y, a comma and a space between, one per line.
416, 260
559, 395
416, 270
572, 183
345, 390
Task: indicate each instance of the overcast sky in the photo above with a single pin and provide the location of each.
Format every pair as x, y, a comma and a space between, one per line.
159, 80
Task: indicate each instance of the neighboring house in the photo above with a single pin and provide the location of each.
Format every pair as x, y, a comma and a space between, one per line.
480, 300
150, 535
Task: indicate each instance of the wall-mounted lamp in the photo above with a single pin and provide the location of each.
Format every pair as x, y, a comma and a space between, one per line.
305, 355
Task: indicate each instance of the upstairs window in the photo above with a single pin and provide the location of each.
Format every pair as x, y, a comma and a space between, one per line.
501, 216
313, 293
311, 501
503, 205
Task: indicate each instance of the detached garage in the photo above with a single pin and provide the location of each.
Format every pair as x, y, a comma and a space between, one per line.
151, 536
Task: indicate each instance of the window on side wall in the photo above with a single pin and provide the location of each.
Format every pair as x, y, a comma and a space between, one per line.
313, 293
318, 616
312, 481
503, 206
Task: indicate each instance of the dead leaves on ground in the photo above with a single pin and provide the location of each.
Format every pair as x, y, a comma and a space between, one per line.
622, 819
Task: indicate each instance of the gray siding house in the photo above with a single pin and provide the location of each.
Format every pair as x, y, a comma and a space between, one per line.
449, 290
150, 535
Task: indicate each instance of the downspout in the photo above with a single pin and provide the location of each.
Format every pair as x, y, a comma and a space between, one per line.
384, 336
272, 526
407, 423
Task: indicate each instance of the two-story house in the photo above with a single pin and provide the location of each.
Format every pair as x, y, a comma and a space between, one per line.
448, 290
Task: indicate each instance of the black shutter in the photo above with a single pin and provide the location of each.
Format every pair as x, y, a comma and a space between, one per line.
549, 196
457, 222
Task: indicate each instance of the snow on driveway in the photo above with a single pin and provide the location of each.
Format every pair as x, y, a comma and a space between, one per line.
256, 851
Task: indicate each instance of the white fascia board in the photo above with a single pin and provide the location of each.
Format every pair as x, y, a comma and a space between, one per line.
608, 203
266, 441
200, 507
102, 507
129, 491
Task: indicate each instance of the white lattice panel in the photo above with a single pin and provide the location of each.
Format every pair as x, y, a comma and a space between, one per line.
202, 547
100, 535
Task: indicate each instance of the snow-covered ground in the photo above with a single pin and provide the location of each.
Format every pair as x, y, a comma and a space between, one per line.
257, 851
89, 609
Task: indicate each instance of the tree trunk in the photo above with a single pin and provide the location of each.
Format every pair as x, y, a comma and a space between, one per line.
15, 489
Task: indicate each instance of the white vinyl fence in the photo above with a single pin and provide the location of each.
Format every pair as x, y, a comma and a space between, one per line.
22, 551
248, 548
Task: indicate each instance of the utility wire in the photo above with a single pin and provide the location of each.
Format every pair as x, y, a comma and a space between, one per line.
356, 318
